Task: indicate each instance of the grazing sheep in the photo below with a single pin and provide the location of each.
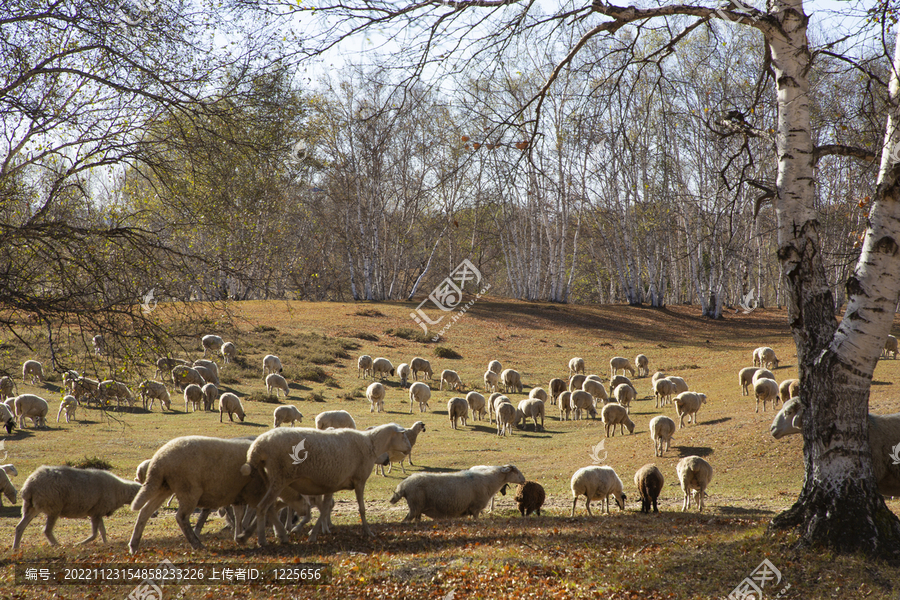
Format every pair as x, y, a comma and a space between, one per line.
688, 403
210, 393
165, 365
624, 395
614, 414
287, 414
762, 374
618, 380
6, 486
663, 388
271, 364
193, 397
183, 375
149, 390
530, 498
208, 370
7, 385
229, 353
211, 343
511, 380
336, 460
506, 418
492, 403
649, 481
534, 408
620, 363
34, 369
768, 359
643, 365
476, 405
68, 404
231, 404
539, 393
557, 386
757, 356
7, 417
490, 381
32, 407
452, 379
412, 434
582, 402
364, 366
565, 405
576, 365
339, 419
85, 389
99, 345
694, 473
10, 470
575, 382
382, 367
597, 483
662, 429
495, 366
420, 364
275, 382
596, 389
787, 389
109, 389
403, 372
459, 494
765, 389
745, 379
679, 383
69, 378
375, 393
72, 493
890, 345
421, 393
457, 409
884, 434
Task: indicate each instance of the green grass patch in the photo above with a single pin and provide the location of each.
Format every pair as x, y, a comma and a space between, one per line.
369, 312
90, 462
406, 333
364, 335
446, 352
264, 398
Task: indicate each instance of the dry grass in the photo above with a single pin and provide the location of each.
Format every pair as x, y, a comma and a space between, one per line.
621, 555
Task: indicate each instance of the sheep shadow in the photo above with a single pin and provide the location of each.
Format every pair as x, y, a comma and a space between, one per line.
20, 434
484, 429
700, 451
298, 386
247, 423
715, 421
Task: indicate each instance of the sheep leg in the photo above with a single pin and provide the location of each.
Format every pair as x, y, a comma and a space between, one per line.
48, 529
96, 525
204, 514
182, 517
28, 513
268, 500
361, 501
587, 505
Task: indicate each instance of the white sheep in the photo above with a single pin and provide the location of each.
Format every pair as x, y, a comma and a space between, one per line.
99, 345
211, 343
476, 405
32, 407
663, 388
68, 404
506, 417
495, 366
412, 434
459, 494
745, 379
403, 372
616, 381
420, 364
884, 433
382, 367
491, 380
231, 404
787, 389
338, 419
534, 408
583, 403
10, 470
511, 380
662, 430
275, 382
576, 365
334, 460
538, 393
287, 414
183, 375
757, 356
614, 414
596, 389
457, 410
109, 389
492, 402
34, 369
694, 473
765, 389
375, 393
7, 416
7, 387
762, 374
165, 365
271, 364
193, 397
620, 363
229, 352
688, 403
565, 405
452, 379
768, 359
679, 383
643, 365
211, 366
72, 493
597, 483
576, 381
556, 386
210, 393
656, 377
421, 393
624, 395
6, 486
85, 389
69, 379
364, 366
149, 391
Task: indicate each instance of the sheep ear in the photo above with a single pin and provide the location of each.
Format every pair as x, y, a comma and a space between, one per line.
797, 421
506, 469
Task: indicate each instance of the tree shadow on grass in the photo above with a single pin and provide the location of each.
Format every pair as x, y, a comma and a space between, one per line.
700, 451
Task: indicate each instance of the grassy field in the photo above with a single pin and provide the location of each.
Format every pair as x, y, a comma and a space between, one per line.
621, 555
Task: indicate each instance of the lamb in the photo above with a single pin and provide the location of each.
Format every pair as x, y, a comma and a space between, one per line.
337, 460
452, 379
884, 432
375, 393
624, 395
211, 343
745, 379
231, 404
530, 498
99, 345
193, 397
339, 419
149, 390
597, 483
618, 363
575, 382
576, 365
495, 366
565, 405
229, 352
210, 393
694, 473
649, 481
207, 372
33, 407
595, 388
412, 434
403, 372
643, 365
69, 378
890, 345
457, 410
557, 386
7, 385
68, 404
420, 364
275, 382
476, 405
614, 414
448, 495
539, 393
789, 388
183, 375
506, 418
583, 402
664, 388
34, 369
380, 366
165, 365
6, 486
688, 403
768, 359
287, 414
534, 408
421, 393
490, 381
662, 429
511, 380
765, 389
72, 493
364, 366
271, 364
